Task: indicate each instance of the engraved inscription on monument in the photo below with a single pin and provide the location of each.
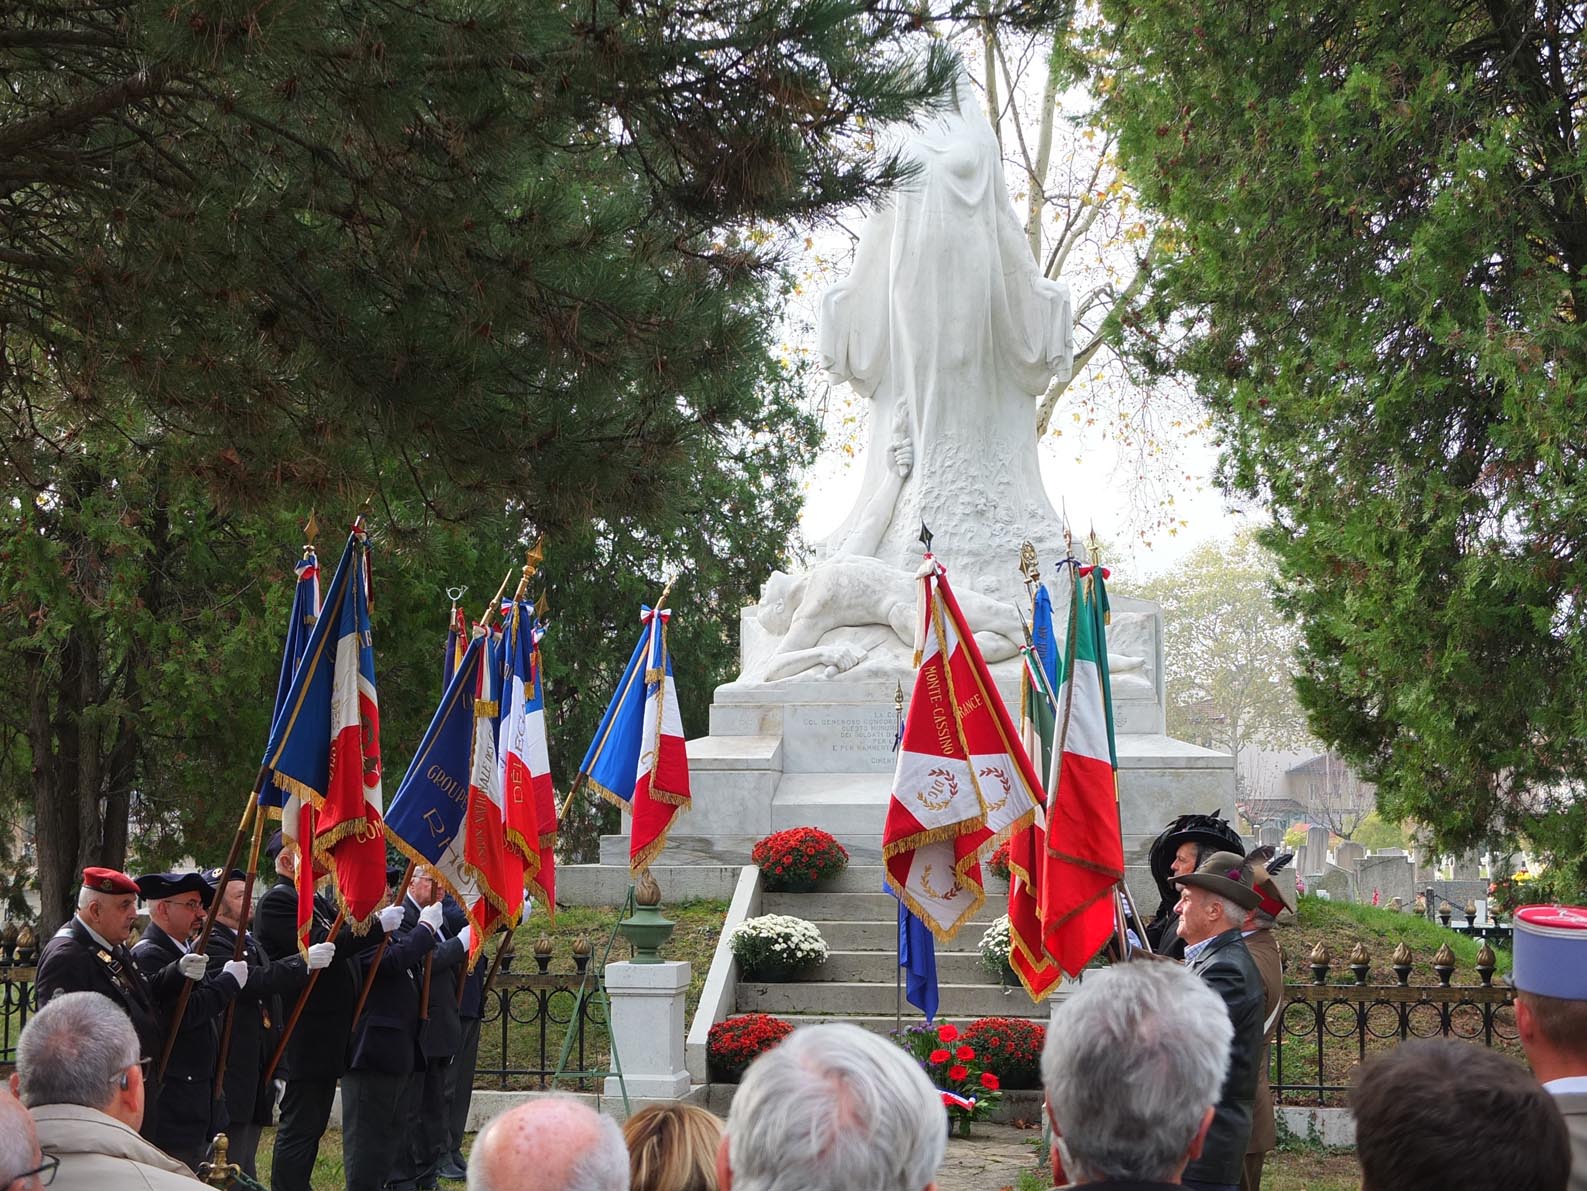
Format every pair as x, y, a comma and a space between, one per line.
838, 738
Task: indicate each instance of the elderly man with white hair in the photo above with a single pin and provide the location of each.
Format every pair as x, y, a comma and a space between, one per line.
23, 1166
1133, 1065
79, 1073
832, 1108
550, 1143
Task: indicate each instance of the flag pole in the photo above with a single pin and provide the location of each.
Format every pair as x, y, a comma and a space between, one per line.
303, 997
380, 948
238, 950
1124, 901
209, 922
898, 958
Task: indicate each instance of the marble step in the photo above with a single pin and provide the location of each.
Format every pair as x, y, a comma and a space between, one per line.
867, 878
851, 999
870, 906
880, 967
882, 935
887, 1023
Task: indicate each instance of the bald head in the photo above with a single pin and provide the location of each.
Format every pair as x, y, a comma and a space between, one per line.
19, 1145
551, 1143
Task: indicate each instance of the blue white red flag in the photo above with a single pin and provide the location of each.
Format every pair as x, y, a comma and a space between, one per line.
496, 868
638, 759
524, 759
296, 814
325, 745
425, 819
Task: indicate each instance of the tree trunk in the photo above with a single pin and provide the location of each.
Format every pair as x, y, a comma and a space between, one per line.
54, 816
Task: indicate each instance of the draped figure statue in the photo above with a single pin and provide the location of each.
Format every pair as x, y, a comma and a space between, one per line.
949, 330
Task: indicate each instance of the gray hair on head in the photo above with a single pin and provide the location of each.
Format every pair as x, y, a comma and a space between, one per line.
1233, 911
1133, 1061
18, 1142
72, 1050
835, 1107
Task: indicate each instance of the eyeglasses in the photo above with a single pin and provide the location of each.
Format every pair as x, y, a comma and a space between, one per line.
193, 906
45, 1171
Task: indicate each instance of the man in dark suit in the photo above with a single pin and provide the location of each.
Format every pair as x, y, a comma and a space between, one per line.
1212, 906
316, 1054
256, 1015
188, 1114
90, 954
385, 1051
440, 1038
460, 1075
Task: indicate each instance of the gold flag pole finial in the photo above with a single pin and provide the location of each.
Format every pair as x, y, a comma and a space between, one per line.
531, 563
311, 531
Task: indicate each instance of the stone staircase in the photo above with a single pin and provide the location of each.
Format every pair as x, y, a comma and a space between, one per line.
858, 982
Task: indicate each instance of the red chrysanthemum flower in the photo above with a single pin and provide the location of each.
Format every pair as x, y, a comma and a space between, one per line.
939, 1056
964, 1053
958, 1073
989, 1081
948, 1033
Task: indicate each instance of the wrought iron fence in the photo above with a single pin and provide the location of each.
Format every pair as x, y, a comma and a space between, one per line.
530, 1021
528, 1018
1326, 1029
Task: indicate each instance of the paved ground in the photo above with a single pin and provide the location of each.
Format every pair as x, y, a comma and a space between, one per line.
991, 1160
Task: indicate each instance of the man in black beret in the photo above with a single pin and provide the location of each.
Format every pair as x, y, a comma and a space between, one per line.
188, 1114
90, 954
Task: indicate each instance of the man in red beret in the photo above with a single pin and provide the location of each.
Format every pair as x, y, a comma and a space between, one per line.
89, 954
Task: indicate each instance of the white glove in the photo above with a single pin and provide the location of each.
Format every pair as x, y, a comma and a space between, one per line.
193, 965
466, 936
390, 918
431, 916
237, 969
320, 956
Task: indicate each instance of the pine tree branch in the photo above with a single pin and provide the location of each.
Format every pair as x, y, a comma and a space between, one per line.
22, 135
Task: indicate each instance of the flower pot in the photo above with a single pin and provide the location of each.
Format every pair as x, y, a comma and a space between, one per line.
777, 973
783, 885
964, 1126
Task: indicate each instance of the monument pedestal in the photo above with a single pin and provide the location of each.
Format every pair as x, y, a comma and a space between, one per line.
819, 752
647, 1028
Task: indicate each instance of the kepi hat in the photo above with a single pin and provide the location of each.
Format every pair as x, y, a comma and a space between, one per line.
1550, 951
1228, 875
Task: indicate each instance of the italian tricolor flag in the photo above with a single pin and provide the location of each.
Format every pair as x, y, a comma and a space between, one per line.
1028, 848
963, 783
1084, 860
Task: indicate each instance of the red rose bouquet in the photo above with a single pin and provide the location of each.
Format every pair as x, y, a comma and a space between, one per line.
952, 1063
798, 859
734, 1044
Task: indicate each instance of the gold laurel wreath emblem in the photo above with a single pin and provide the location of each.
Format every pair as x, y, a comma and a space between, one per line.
925, 884
1008, 787
945, 779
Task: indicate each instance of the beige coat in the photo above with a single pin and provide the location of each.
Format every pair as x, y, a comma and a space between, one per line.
1574, 1106
1263, 947
98, 1152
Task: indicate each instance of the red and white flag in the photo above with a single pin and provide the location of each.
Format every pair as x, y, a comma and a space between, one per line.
963, 782
495, 867
525, 762
661, 778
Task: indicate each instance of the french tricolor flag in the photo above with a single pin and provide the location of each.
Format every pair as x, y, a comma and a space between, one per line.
661, 779
495, 866
325, 745
529, 801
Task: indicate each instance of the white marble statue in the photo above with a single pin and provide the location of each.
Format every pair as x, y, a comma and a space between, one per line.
949, 329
